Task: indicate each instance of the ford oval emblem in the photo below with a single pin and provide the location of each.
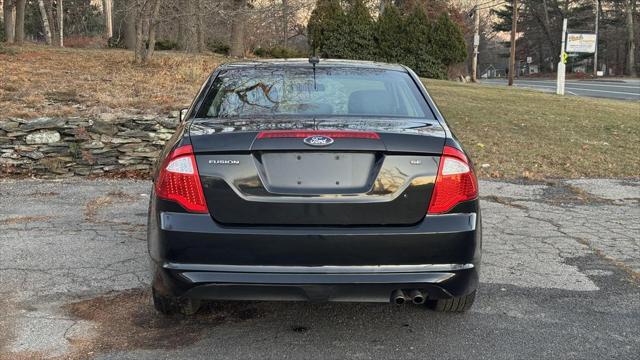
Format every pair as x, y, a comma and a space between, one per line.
318, 140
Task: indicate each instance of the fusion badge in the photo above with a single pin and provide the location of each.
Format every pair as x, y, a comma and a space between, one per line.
224, 162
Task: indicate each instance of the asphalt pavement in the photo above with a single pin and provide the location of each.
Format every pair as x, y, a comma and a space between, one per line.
560, 278
612, 89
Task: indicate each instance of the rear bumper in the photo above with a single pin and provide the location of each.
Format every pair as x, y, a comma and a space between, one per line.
297, 285
195, 256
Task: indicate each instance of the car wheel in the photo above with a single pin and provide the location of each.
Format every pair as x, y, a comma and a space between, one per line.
167, 305
456, 304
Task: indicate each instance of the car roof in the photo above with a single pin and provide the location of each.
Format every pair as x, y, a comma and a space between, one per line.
304, 62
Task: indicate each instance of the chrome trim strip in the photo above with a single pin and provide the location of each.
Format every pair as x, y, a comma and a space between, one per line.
328, 269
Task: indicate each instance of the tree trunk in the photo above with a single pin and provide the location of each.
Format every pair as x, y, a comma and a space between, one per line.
546, 13
9, 19
631, 45
140, 45
53, 26
237, 29
153, 22
45, 21
130, 29
199, 26
107, 10
20, 4
60, 24
187, 27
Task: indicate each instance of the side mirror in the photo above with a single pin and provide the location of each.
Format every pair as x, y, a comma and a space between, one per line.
183, 114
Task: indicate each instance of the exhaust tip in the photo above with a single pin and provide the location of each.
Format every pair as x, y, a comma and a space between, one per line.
417, 297
398, 297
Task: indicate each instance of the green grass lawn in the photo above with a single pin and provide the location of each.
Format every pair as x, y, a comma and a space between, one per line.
527, 134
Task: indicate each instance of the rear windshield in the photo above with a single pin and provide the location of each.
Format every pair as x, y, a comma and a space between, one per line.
299, 91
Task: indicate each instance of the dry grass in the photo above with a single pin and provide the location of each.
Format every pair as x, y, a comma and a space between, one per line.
43, 81
528, 134
518, 133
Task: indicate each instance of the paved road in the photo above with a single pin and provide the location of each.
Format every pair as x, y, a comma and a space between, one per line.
618, 89
560, 279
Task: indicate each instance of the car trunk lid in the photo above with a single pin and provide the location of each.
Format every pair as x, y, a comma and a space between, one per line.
252, 177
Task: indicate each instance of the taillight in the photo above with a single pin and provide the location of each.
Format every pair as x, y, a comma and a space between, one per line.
455, 182
179, 180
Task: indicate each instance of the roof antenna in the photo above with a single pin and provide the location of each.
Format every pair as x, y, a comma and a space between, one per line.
313, 60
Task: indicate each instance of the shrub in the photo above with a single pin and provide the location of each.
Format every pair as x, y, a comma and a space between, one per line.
165, 44
261, 52
219, 47
2, 37
116, 43
285, 53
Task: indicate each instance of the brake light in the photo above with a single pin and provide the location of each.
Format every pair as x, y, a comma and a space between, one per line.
329, 133
179, 180
455, 182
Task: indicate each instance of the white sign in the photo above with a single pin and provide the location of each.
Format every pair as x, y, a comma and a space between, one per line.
581, 43
529, 59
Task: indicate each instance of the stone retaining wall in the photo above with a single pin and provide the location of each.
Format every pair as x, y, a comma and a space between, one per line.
79, 146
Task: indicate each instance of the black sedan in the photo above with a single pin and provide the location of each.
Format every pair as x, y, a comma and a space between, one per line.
316, 180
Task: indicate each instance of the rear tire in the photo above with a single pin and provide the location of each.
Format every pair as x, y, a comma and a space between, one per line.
168, 305
456, 304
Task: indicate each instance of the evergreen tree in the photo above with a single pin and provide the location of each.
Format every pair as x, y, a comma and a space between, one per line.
325, 28
448, 41
359, 32
390, 27
407, 39
418, 48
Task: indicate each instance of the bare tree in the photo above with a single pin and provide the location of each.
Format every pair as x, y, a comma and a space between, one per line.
146, 23
9, 20
45, 21
19, 34
152, 23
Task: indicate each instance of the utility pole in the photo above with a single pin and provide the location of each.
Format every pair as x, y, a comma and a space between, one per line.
512, 57
476, 44
595, 54
563, 60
